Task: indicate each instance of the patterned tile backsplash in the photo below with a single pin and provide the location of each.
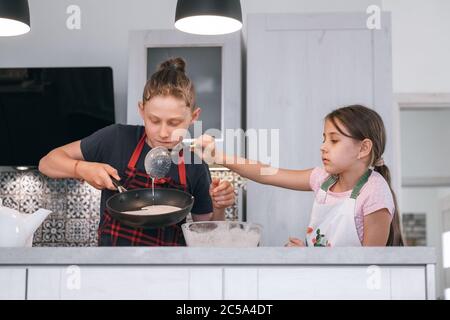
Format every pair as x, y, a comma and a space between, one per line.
75, 205
415, 228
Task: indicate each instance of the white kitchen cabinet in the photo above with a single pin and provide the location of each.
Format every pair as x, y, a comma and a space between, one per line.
324, 283
88, 282
205, 283
409, 283
12, 283
241, 283
236, 283
299, 68
217, 273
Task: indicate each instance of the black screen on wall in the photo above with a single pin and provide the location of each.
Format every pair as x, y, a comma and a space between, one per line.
44, 108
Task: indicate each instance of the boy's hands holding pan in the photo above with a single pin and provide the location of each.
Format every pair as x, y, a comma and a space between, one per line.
222, 193
97, 174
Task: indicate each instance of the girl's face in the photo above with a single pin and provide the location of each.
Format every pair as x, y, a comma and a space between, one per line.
166, 120
339, 153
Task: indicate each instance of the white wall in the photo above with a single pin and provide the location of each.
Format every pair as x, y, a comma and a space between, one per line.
425, 147
103, 38
425, 152
427, 200
278, 6
420, 44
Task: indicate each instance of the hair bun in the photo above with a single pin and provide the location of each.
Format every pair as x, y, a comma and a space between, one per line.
177, 64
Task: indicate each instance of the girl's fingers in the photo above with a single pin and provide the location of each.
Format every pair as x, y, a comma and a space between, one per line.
204, 140
289, 244
204, 147
296, 242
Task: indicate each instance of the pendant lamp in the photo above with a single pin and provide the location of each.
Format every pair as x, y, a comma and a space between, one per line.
208, 17
14, 17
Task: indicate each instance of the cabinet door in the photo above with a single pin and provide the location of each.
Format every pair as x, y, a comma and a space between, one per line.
240, 283
299, 68
124, 283
12, 283
409, 283
323, 283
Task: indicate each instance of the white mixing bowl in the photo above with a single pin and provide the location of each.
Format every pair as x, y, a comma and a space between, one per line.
222, 234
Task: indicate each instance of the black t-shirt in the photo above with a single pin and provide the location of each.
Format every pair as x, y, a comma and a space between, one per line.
115, 144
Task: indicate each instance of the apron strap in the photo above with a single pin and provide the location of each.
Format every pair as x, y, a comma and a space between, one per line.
356, 190
181, 164
137, 152
328, 183
362, 181
182, 170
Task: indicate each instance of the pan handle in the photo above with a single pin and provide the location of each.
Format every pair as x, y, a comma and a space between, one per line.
117, 184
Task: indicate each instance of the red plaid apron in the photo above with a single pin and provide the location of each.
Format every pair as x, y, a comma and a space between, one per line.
112, 233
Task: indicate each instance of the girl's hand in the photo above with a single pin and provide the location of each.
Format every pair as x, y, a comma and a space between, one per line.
205, 148
294, 242
97, 174
222, 193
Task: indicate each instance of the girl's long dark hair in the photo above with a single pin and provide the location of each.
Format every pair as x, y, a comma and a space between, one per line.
365, 123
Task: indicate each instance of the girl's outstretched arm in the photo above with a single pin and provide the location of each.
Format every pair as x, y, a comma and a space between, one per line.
265, 174
253, 170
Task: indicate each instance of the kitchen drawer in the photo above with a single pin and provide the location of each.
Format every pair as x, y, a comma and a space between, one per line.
352, 282
12, 283
124, 283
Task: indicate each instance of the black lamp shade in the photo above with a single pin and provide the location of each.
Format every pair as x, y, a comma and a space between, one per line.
208, 16
14, 17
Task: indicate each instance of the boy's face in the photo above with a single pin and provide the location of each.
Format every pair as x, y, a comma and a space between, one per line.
339, 153
166, 120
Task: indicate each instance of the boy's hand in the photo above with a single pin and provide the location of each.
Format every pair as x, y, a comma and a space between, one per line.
97, 174
222, 193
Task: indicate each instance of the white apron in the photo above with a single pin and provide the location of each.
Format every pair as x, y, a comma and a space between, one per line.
334, 225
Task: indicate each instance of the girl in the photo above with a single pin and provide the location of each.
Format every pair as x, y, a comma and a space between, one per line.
354, 204
168, 107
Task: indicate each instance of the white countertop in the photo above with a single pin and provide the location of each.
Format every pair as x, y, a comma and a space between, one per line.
217, 256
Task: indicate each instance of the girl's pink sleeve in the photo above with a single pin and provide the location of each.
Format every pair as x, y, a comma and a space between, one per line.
318, 176
376, 196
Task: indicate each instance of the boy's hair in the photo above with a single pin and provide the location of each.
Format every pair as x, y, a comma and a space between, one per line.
365, 123
170, 79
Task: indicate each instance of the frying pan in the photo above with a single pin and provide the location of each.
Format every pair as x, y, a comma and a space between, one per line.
132, 200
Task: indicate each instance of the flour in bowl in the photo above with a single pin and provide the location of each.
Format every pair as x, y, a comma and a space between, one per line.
223, 236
